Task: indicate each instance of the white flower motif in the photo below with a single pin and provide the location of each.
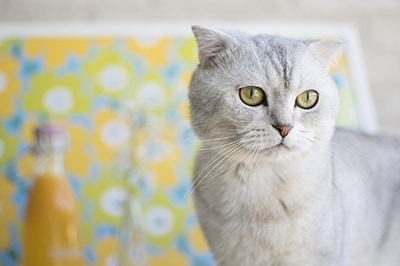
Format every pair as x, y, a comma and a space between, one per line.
159, 221
152, 95
114, 133
112, 200
58, 100
154, 150
113, 78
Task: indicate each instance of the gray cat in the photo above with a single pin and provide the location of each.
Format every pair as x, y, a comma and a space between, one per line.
275, 183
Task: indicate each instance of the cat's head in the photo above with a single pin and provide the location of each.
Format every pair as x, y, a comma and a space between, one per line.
263, 95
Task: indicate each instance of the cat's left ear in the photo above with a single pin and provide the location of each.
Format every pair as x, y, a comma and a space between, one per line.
326, 51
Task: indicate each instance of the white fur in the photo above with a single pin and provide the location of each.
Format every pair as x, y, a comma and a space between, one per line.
315, 197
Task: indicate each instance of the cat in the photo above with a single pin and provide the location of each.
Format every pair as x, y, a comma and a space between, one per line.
275, 183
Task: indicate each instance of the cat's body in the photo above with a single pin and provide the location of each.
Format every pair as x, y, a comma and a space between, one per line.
274, 183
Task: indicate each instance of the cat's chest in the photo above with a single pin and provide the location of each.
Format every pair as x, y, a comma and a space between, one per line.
265, 193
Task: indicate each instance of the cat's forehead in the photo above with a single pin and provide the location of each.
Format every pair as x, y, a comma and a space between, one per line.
268, 41
277, 49
275, 57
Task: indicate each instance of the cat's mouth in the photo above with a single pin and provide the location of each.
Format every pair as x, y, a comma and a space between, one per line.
276, 150
281, 146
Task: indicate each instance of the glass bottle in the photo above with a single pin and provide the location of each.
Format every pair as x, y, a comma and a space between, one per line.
131, 232
51, 227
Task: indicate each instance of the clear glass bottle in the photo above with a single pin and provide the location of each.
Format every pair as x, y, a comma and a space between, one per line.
51, 225
131, 234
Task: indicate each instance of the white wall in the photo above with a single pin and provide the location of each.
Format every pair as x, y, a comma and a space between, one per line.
378, 22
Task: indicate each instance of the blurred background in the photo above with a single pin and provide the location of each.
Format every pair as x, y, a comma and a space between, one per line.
121, 95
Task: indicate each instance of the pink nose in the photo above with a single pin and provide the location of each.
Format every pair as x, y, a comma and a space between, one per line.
283, 130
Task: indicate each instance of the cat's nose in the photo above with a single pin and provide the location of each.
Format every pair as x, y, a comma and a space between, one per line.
283, 130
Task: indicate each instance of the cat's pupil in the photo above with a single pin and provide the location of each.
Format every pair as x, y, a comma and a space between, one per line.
252, 93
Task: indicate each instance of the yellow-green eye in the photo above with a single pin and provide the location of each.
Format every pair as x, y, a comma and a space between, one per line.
307, 99
252, 96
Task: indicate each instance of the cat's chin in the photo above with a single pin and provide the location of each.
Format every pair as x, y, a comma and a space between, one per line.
280, 152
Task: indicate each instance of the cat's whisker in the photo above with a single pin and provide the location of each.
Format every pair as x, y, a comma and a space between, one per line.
217, 139
317, 138
219, 154
208, 148
310, 139
206, 143
251, 154
225, 160
224, 157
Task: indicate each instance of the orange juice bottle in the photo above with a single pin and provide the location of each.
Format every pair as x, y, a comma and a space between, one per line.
50, 233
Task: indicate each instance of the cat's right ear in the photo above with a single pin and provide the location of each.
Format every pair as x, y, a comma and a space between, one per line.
326, 51
210, 43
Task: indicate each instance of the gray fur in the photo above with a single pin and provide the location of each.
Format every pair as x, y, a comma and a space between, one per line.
319, 196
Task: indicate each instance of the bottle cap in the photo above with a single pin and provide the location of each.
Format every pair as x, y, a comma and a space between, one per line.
50, 136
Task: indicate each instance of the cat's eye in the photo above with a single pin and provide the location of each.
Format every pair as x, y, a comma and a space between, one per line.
307, 99
252, 95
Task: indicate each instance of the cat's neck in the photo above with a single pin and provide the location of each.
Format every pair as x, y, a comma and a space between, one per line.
286, 187
310, 164
265, 189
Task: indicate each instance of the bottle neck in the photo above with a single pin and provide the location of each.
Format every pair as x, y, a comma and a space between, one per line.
49, 162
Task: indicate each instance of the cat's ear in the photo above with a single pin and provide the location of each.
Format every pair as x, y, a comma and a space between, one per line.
326, 51
210, 43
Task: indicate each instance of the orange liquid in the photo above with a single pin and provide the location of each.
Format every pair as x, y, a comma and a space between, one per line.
51, 225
